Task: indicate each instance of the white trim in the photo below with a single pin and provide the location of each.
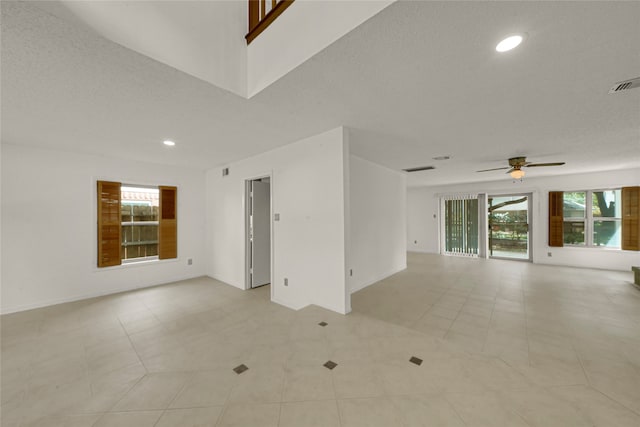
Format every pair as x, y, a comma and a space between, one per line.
530, 222
94, 212
589, 220
458, 196
379, 278
290, 306
56, 301
245, 208
131, 264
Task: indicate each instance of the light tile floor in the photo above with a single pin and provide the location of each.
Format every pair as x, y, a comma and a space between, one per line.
503, 343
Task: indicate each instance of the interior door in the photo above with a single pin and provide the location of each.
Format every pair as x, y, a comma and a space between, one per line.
509, 227
260, 233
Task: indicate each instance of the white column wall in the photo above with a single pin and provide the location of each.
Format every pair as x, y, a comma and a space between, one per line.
378, 222
308, 248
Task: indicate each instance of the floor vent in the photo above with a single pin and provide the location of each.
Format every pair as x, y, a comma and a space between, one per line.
330, 365
240, 369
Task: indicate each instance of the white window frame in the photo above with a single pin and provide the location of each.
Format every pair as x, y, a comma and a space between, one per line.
141, 223
588, 220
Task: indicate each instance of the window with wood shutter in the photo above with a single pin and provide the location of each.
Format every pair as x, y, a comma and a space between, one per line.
631, 218
556, 218
109, 229
168, 224
136, 223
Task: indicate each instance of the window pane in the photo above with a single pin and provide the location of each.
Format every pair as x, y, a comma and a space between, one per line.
139, 212
574, 232
607, 233
574, 204
606, 204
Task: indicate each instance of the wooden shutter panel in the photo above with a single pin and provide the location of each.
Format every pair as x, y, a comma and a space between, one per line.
631, 218
109, 230
556, 218
168, 223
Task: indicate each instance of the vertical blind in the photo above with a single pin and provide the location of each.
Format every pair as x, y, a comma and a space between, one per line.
461, 225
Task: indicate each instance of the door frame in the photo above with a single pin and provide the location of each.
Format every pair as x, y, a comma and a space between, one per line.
529, 196
247, 242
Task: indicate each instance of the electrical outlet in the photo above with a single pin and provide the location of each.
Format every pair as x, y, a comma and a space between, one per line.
190, 261
549, 254
286, 281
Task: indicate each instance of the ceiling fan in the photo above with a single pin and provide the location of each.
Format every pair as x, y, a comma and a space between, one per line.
517, 163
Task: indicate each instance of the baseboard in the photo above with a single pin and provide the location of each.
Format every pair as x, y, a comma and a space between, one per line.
74, 298
377, 279
295, 307
226, 282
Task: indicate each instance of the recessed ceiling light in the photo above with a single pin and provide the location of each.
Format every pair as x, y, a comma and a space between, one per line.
510, 43
169, 143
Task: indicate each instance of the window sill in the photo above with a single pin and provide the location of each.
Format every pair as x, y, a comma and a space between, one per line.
143, 263
600, 248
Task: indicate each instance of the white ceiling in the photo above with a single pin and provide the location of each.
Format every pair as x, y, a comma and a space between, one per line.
419, 80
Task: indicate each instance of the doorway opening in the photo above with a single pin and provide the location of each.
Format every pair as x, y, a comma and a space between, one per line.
509, 231
258, 232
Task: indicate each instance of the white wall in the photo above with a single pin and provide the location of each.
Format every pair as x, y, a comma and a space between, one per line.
378, 209
308, 248
422, 204
201, 38
303, 30
49, 247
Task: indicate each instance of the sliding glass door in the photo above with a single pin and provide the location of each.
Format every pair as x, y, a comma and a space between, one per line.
508, 227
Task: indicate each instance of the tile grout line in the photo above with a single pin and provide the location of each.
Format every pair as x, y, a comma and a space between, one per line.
615, 400
119, 400
164, 411
134, 347
526, 322
331, 373
444, 396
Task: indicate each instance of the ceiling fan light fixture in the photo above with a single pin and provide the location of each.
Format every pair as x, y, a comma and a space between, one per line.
517, 174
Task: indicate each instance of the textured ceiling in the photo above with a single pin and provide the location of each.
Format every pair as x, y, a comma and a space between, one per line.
419, 80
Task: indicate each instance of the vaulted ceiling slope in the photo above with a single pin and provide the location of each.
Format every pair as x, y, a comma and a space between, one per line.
418, 80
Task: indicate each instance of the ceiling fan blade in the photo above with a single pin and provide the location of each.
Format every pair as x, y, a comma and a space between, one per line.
532, 165
510, 170
494, 169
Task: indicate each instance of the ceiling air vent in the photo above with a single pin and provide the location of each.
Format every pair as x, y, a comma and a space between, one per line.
418, 169
625, 85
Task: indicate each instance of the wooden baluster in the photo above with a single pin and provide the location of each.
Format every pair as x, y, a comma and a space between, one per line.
254, 14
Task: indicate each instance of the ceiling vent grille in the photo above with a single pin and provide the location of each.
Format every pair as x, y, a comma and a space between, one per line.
625, 85
418, 169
